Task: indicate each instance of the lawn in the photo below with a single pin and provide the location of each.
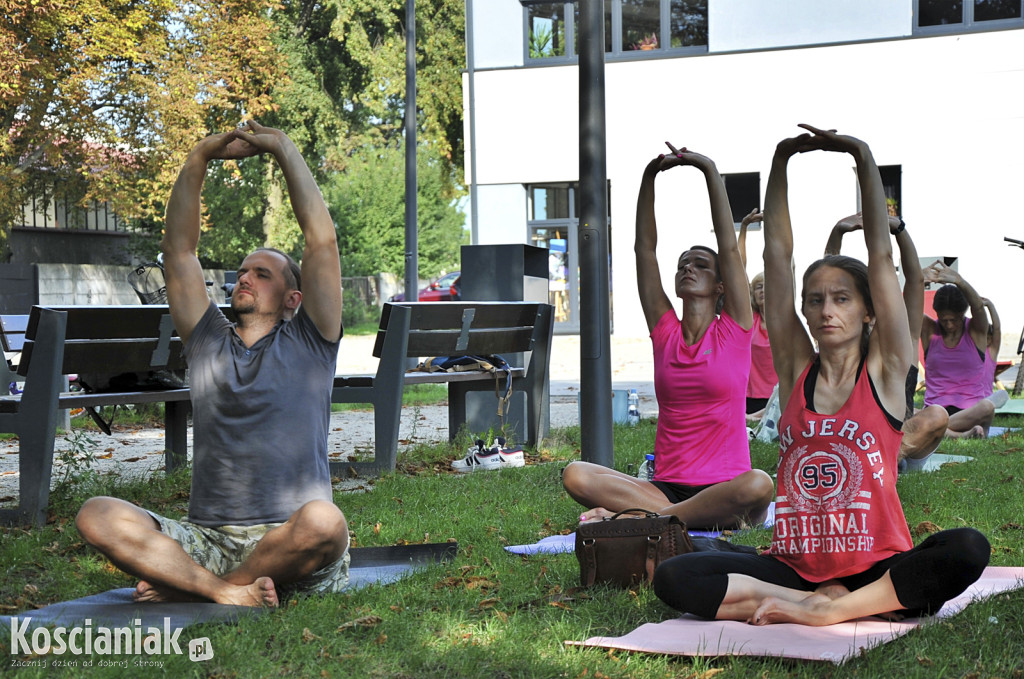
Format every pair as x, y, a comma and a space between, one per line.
492, 614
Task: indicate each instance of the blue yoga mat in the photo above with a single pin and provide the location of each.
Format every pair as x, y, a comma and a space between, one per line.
115, 608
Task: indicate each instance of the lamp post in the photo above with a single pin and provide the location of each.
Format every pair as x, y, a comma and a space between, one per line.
412, 285
595, 321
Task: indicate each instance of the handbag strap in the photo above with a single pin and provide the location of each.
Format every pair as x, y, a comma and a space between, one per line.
652, 554
645, 512
588, 563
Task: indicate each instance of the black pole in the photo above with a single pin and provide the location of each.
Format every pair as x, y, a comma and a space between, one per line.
412, 284
595, 322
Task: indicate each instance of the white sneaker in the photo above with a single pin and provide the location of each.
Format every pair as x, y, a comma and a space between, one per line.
495, 457
999, 398
509, 457
478, 458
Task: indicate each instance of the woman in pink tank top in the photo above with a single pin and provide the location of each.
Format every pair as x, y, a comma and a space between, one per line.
955, 348
841, 548
701, 363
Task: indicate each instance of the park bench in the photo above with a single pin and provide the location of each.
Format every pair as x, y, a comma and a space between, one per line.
520, 332
98, 340
132, 341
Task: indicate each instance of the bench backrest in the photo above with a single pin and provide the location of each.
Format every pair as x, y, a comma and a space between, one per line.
113, 339
465, 328
12, 331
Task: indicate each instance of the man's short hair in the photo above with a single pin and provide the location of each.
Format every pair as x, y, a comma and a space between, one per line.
292, 272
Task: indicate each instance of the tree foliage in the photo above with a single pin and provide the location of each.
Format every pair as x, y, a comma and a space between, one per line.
101, 99
104, 98
367, 202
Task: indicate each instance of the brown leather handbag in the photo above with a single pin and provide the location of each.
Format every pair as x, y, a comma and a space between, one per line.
625, 552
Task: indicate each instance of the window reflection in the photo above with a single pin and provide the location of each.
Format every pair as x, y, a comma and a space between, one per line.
641, 24
688, 23
547, 30
940, 12
993, 10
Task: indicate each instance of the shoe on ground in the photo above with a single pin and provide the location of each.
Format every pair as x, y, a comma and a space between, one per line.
999, 398
478, 459
510, 457
486, 459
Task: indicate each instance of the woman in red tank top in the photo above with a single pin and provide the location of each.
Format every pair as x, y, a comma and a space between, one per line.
840, 548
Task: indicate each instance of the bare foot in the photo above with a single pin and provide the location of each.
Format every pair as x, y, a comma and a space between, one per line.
595, 514
975, 432
259, 593
810, 611
148, 592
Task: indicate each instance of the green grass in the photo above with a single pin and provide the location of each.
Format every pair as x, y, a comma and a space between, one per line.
412, 395
492, 614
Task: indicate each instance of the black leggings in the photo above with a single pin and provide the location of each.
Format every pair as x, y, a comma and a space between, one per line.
925, 577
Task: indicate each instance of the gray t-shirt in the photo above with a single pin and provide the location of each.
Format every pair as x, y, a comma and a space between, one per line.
260, 420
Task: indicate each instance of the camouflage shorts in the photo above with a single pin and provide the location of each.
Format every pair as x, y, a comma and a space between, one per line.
222, 549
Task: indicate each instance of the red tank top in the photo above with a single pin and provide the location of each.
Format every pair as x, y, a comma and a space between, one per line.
837, 511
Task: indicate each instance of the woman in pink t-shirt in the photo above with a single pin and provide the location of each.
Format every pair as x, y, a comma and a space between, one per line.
701, 363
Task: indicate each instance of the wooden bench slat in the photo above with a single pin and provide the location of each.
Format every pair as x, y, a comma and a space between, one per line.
111, 356
447, 342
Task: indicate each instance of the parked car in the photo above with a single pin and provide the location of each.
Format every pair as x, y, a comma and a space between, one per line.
443, 289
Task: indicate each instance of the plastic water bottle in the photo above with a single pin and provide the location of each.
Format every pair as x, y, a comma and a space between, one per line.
633, 410
646, 472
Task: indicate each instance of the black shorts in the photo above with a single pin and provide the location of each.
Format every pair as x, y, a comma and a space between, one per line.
952, 410
678, 492
756, 404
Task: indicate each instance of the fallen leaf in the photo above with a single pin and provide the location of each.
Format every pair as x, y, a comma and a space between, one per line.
488, 603
308, 636
365, 621
707, 674
105, 457
135, 459
381, 639
376, 528
926, 527
922, 660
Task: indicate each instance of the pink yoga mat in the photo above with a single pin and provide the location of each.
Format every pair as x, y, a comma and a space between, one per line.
693, 636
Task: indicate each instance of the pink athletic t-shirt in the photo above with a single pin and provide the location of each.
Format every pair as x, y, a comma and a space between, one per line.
701, 390
954, 376
762, 371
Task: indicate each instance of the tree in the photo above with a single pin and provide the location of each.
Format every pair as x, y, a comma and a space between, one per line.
367, 202
101, 99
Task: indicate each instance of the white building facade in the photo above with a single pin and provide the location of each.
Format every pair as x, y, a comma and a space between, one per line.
936, 87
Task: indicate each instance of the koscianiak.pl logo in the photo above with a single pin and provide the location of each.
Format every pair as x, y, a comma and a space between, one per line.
131, 646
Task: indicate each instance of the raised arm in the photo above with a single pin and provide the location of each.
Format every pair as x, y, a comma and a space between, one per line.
754, 215
791, 345
913, 279
994, 325
653, 299
730, 264
842, 227
186, 286
321, 266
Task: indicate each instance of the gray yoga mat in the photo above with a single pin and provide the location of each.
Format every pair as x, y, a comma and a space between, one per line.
115, 608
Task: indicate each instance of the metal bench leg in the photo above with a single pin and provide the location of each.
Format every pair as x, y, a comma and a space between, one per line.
175, 434
456, 407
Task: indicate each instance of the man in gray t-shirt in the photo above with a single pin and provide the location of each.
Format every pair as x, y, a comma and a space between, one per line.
261, 517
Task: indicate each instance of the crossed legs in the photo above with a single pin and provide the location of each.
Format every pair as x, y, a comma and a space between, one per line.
972, 422
313, 537
729, 504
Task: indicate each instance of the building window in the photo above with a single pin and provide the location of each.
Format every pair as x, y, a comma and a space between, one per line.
951, 16
892, 185
633, 28
554, 211
744, 191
